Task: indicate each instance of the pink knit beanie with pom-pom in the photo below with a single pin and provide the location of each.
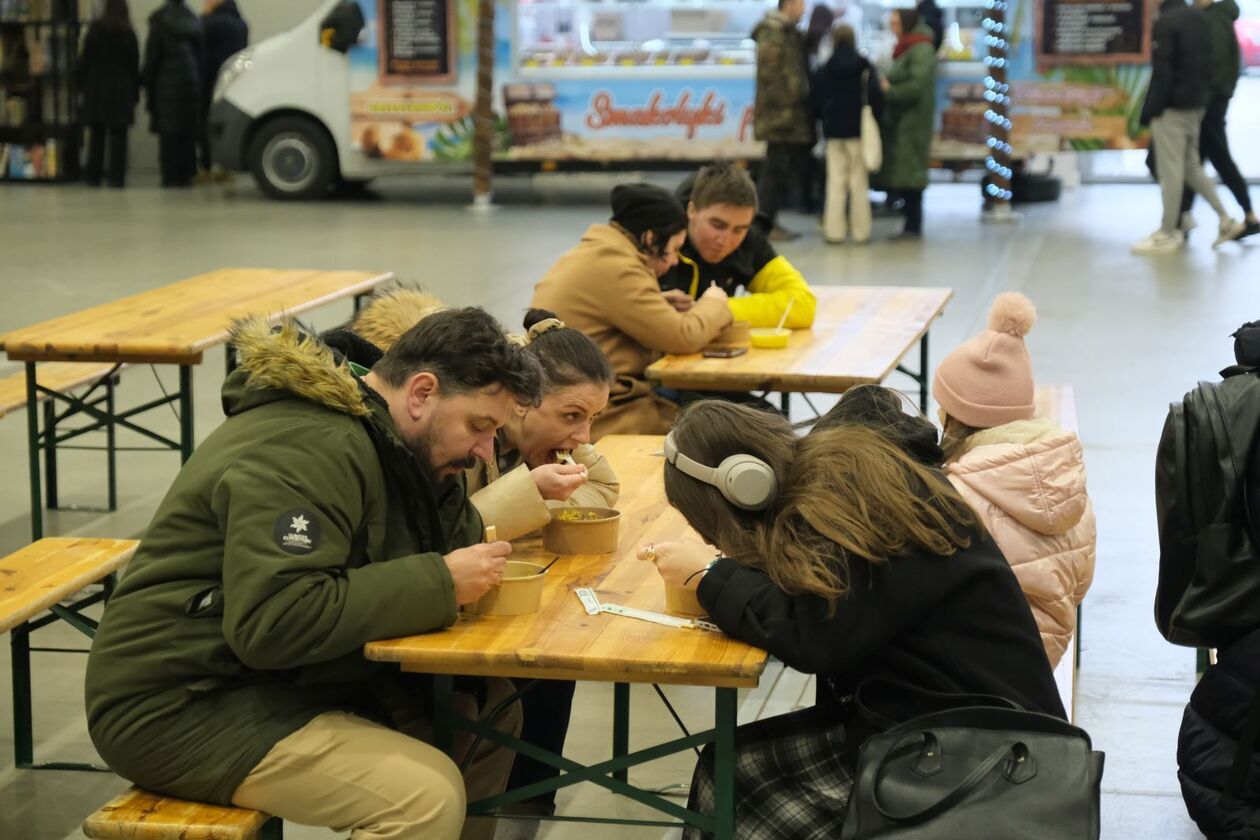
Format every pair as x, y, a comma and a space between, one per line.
988, 380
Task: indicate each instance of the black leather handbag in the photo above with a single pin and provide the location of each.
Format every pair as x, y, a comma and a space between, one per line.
977, 773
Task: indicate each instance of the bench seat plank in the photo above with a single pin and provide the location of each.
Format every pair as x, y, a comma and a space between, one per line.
58, 376
48, 571
137, 814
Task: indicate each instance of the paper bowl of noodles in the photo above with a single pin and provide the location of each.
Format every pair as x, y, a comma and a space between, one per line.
582, 530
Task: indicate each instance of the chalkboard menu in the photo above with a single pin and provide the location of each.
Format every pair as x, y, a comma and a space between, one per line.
417, 40
1093, 32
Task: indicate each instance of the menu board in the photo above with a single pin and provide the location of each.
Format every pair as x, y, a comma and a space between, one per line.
1093, 32
417, 40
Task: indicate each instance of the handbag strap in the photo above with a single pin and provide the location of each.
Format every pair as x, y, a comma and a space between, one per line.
870, 690
1246, 750
949, 800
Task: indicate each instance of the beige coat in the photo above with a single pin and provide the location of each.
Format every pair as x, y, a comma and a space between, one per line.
504, 492
1026, 480
604, 288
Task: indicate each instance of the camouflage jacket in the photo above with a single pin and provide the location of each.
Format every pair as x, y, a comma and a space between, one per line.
781, 107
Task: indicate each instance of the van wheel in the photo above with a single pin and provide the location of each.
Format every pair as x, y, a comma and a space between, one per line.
293, 158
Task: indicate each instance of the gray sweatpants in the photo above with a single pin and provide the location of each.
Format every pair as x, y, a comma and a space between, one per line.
1176, 136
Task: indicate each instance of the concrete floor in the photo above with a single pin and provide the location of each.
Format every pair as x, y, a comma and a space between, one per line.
1129, 333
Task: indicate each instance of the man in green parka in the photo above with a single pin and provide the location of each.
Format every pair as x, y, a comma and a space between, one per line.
909, 116
326, 512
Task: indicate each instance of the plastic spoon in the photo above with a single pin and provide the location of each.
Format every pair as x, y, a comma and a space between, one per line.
786, 310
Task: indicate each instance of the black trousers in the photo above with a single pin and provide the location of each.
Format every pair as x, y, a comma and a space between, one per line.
913, 210
177, 155
546, 708
1214, 148
781, 172
100, 136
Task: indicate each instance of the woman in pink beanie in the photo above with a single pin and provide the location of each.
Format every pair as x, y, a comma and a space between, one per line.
1024, 476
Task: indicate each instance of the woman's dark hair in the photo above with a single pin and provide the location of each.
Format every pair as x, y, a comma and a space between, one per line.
568, 357
820, 21
466, 350
115, 13
909, 19
654, 242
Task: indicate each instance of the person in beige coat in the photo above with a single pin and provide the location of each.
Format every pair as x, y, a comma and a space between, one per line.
606, 287
1024, 476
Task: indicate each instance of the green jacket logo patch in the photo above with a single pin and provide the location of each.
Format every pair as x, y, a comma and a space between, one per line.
297, 531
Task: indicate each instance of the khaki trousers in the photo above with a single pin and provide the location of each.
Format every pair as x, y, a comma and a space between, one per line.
344, 772
846, 182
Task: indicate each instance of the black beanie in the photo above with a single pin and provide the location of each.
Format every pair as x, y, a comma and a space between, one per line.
642, 207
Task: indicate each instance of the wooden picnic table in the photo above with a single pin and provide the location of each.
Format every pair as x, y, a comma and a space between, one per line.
173, 324
859, 337
561, 641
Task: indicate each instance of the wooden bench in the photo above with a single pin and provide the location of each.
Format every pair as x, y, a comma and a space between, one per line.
1058, 403
138, 814
37, 579
64, 377
59, 376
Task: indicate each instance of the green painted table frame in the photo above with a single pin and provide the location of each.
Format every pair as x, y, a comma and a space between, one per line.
613, 774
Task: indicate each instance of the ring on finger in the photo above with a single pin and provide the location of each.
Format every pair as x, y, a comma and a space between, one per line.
649, 554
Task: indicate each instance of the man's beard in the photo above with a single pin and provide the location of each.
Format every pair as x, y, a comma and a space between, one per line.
422, 445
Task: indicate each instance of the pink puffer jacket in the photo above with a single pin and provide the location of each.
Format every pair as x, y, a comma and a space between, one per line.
1026, 480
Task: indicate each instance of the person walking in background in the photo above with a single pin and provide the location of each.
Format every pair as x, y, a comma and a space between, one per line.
817, 51
840, 89
226, 33
909, 116
108, 75
1176, 103
781, 108
1213, 141
173, 56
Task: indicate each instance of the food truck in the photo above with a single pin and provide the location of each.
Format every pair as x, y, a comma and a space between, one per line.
577, 84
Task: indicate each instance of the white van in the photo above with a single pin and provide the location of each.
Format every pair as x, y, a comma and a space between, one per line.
367, 88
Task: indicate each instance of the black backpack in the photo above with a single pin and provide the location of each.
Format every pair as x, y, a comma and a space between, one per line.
1207, 479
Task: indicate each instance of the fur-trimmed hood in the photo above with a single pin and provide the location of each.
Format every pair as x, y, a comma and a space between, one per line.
277, 361
390, 314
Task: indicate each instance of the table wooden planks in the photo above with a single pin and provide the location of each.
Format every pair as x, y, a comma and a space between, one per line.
175, 324
561, 641
137, 814
860, 334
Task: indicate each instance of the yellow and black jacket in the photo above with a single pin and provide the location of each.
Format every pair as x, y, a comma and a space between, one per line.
769, 278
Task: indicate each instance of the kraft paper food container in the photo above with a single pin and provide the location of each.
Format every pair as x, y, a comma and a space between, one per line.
736, 335
519, 592
568, 535
770, 338
683, 601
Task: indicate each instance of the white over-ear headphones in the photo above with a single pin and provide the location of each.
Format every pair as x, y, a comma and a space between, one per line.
745, 481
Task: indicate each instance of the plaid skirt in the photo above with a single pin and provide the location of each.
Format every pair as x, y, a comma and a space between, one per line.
793, 776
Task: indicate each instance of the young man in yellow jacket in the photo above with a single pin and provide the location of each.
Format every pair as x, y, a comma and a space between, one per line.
725, 247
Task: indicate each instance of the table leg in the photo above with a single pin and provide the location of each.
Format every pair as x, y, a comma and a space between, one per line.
229, 351
724, 764
621, 726
111, 446
32, 443
50, 453
23, 736
785, 404
443, 713
185, 413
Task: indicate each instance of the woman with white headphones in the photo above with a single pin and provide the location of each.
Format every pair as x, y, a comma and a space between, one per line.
845, 556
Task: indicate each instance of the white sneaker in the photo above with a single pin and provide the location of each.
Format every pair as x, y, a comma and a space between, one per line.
1159, 243
1187, 222
1231, 229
